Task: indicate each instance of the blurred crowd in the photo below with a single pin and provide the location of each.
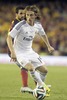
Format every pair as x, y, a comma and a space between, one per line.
54, 21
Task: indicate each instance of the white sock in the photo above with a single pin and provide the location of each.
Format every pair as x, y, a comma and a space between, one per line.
43, 76
36, 77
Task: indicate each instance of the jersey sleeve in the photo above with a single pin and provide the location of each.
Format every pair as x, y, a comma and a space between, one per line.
13, 32
16, 29
40, 29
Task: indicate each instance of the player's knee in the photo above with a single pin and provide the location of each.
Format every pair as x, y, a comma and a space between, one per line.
45, 70
31, 68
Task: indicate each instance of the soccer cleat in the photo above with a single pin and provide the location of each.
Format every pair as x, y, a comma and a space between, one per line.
47, 89
26, 89
47, 95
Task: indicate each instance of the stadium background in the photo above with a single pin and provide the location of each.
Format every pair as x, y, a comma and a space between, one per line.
54, 22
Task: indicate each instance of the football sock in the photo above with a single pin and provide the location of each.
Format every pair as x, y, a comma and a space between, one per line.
36, 77
24, 75
43, 76
34, 80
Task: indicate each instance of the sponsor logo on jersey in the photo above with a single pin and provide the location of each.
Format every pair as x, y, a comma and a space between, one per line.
30, 38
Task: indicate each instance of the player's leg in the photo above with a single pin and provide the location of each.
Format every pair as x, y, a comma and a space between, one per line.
38, 63
26, 64
39, 81
35, 76
24, 75
43, 77
43, 70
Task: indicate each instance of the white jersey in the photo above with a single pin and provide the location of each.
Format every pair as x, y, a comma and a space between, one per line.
24, 34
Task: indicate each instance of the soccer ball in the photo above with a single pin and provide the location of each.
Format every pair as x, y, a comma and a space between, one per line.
39, 93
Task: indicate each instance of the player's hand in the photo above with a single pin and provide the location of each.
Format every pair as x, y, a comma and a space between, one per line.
50, 49
13, 56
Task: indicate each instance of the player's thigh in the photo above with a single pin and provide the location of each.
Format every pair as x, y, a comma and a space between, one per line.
35, 58
42, 69
25, 63
37, 61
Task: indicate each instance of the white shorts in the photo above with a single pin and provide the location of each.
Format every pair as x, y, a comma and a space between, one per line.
31, 57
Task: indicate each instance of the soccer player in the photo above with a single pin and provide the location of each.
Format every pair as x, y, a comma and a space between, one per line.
38, 18
23, 34
20, 15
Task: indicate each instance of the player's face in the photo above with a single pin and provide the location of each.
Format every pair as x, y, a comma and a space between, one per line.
30, 16
21, 14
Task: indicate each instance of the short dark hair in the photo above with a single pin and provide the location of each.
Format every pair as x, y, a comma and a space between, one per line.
19, 8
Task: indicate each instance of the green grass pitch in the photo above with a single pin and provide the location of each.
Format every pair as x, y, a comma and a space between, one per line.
10, 83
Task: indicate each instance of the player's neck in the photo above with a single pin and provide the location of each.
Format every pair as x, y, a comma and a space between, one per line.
31, 23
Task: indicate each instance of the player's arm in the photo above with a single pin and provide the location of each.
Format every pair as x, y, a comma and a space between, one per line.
12, 34
45, 38
10, 46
